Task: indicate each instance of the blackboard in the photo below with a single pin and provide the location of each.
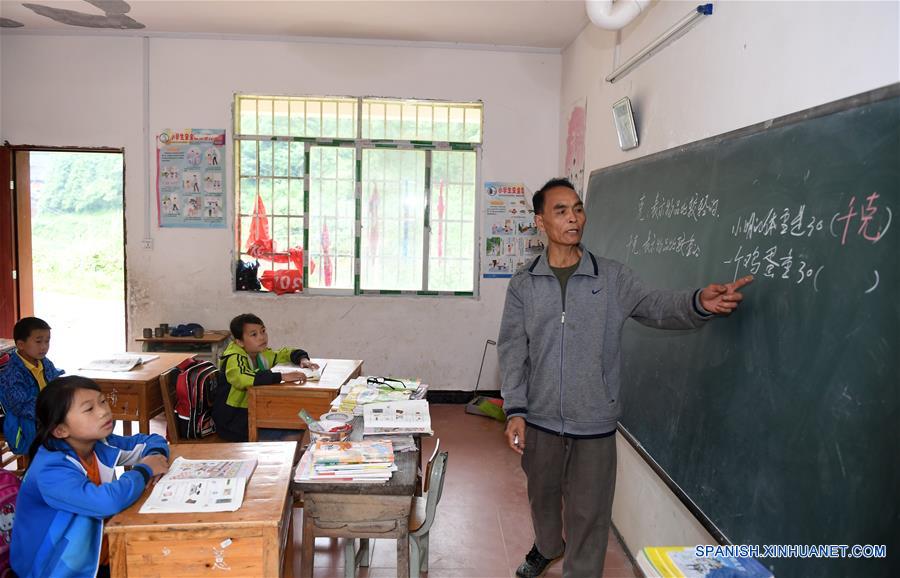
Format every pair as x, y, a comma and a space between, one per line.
780, 424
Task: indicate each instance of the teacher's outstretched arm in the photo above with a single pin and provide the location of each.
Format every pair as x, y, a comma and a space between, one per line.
723, 299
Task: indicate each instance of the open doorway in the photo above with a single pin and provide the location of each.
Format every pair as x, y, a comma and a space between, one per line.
75, 229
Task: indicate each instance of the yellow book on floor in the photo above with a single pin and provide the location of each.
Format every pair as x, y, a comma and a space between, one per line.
683, 562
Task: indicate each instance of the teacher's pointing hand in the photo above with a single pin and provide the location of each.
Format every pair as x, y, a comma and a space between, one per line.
723, 299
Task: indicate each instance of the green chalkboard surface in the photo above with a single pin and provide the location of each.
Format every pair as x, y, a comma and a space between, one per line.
782, 423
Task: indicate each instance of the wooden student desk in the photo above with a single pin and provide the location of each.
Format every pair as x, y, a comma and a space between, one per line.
276, 406
135, 395
361, 511
195, 544
209, 347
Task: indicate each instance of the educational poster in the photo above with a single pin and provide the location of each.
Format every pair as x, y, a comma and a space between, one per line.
510, 236
190, 178
574, 169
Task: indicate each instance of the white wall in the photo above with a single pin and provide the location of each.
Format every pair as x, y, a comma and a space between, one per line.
748, 62
88, 91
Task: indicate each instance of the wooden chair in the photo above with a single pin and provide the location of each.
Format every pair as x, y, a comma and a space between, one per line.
168, 382
421, 518
7, 457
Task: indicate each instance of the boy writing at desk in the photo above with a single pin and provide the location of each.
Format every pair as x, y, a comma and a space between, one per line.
246, 362
26, 374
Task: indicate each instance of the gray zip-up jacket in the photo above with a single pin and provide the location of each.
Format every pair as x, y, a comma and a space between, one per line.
561, 370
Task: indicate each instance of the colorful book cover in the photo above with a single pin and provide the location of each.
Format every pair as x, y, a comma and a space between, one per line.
681, 562
331, 452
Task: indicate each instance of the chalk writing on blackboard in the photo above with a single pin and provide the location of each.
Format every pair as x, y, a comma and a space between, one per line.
782, 222
695, 208
864, 218
767, 263
868, 212
684, 244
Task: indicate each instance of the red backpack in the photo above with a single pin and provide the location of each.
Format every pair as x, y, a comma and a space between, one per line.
9, 491
195, 390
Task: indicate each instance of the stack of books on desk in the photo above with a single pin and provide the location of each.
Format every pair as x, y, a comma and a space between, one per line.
347, 462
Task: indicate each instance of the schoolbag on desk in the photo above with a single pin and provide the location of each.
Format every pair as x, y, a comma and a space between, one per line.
195, 390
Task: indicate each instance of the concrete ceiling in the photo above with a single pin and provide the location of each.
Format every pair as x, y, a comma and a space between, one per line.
542, 24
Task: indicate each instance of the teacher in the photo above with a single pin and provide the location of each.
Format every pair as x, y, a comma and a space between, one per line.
560, 363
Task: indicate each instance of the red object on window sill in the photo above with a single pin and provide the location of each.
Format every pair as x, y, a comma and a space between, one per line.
282, 281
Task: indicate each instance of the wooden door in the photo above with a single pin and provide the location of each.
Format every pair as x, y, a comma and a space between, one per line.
9, 301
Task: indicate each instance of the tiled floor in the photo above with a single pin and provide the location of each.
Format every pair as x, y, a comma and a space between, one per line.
483, 526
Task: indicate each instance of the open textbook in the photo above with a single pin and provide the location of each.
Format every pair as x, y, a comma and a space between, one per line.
311, 374
200, 486
119, 362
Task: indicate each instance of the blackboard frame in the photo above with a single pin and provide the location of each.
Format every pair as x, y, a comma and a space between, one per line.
841, 105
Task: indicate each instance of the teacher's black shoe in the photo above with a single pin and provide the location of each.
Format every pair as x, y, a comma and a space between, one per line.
535, 564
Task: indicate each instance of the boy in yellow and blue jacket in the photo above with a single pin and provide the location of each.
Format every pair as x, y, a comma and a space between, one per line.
248, 361
26, 374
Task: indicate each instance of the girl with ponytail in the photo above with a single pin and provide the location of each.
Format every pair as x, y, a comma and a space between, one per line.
70, 487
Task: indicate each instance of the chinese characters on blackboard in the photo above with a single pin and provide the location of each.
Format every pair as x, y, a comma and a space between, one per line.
779, 252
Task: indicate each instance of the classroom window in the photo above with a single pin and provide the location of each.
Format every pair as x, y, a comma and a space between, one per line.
454, 184
393, 185
359, 195
393, 119
332, 222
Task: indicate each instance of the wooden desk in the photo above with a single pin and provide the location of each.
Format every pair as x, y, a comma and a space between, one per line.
276, 406
135, 395
360, 511
192, 544
210, 346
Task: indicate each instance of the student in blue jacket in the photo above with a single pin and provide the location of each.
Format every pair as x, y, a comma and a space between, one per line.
28, 371
70, 486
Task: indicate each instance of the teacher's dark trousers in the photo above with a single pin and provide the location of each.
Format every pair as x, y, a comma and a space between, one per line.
571, 482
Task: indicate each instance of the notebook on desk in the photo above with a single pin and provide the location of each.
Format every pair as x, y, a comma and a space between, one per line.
311, 374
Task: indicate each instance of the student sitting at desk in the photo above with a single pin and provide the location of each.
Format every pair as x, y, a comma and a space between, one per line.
70, 486
247, 361
26, 374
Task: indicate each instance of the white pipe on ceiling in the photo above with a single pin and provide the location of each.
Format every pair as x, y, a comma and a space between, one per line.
614, 14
